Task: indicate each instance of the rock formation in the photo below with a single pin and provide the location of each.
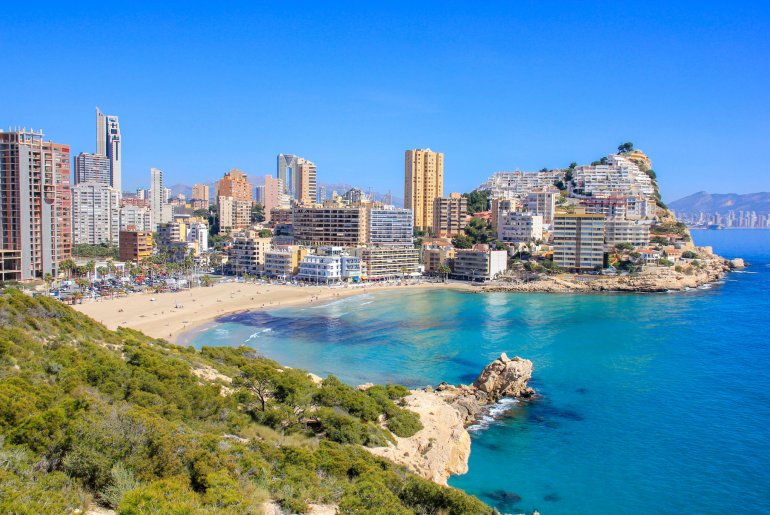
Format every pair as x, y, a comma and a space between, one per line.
711, 268
443, 446
504, 377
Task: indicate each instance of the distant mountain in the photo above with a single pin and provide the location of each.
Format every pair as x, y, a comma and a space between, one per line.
184, 189
722, 203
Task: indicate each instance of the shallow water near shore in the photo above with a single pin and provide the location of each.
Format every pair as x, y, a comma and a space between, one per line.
650, 402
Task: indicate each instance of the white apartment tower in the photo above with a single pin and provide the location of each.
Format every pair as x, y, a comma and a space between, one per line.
156, 196
95, 213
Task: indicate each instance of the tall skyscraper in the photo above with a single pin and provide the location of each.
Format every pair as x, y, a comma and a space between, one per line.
108, 144
423, 183
306, 181
299, 177
92, 168
95, 213
36, 200
156, 196
287, 166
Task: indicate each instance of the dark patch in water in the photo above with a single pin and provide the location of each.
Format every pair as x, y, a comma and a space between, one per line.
548, 410
313, 328
489, 445
581, 390
468, 378
503, 500
554, 497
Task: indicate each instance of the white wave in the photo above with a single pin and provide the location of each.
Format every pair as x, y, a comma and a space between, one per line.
492, 413
256, 335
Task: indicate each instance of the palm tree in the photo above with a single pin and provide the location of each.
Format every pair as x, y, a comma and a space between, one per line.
443, 271
48, 278
67, 266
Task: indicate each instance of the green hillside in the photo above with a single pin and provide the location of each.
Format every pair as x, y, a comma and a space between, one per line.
91, 417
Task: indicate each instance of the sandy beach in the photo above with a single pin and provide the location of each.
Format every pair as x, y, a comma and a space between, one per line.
168, 315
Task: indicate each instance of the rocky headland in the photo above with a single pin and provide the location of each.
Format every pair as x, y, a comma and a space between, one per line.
443, 446
709, 269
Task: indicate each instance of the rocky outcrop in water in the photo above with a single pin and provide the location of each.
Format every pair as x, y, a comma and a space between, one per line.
443, 446
504, 377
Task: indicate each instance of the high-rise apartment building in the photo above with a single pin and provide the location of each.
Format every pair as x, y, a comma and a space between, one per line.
92, 168
273, 196
234, 200
479, 263
286, 171
95, 214
247, 255
542, 201
343, 226
578, 241
299, 178
306, 181
156, 197
388, 262
108, 144
283, 260
391, 226
135, 218
200, 192
35, 205
135, 245
517, 227
423, 183
235, 184
449, 214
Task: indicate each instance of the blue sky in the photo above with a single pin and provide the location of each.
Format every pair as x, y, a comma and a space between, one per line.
201, 88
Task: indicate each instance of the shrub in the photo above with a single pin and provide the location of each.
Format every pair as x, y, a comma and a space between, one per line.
171, 495
122, 481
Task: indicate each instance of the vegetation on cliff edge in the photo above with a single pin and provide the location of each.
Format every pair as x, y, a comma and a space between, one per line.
91, 416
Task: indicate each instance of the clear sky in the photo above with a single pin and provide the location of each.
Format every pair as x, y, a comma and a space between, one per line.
204, 87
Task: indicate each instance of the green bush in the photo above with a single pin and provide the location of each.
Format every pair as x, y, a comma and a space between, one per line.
118, 417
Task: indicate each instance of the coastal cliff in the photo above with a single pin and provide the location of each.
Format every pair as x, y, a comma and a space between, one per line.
443, 446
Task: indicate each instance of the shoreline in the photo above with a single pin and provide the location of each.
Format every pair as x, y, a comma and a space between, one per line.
174, 315
177, 316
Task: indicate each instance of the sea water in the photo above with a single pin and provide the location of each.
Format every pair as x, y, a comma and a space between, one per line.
649, 403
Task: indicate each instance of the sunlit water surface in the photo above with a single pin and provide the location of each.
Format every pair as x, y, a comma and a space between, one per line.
651, 403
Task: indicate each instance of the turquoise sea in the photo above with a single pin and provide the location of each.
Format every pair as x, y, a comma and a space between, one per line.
650, 403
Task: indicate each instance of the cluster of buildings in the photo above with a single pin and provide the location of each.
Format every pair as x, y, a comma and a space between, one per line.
573, 216
740, 219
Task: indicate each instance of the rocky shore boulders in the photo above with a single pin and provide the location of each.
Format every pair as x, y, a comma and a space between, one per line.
504, 377
443, 446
